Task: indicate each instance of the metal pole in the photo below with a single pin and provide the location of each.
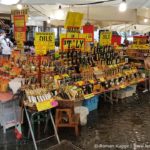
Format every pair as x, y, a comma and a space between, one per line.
30, 127
55, 130
149, 79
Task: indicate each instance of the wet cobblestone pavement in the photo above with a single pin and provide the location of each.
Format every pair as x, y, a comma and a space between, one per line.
125, 125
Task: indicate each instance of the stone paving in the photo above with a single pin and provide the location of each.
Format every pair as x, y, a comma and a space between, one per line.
125, 125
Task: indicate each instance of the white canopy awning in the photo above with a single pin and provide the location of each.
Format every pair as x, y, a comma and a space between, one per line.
102, 15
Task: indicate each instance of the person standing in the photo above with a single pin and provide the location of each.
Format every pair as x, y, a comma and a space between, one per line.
5, 45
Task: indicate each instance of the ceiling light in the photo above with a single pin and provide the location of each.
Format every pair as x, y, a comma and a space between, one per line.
9, 2
145, 20
123, 6
59, 14
59, 6
19, 6
135, 27
48, 20
29, 18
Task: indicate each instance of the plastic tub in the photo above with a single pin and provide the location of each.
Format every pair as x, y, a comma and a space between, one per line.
92, 103
83, 111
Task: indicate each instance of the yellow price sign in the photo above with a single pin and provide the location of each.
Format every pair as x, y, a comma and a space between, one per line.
44, 41
20, 44
72, 35
73, 19
65, 75
61, 37
47, 45
45, 37
91, 81
88, 96
20, 12
45, 105
77, 44
80, 83
88, 37
102, 79
40, 49
105, 38
57, 77
19, 23
122, 86
20, 36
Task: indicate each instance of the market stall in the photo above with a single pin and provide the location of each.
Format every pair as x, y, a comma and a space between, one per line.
73, 79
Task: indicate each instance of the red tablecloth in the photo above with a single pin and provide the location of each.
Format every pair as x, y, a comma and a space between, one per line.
4, 97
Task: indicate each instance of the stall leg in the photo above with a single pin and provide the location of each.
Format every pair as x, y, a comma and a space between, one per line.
55, 130
30, 127
111, 97
105, 97
47, 119
117, 98
3, 122
149, 79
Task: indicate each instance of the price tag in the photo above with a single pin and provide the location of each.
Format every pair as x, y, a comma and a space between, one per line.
105, 38
88, 96
102, 79
56, 77
44, 41
91, 81
96, 69
20, 36
72, 35
80, 83
45, 37
73, 19
87, 36
65, 75
122, 86
45, 105
20, 44
120, 75
110, 66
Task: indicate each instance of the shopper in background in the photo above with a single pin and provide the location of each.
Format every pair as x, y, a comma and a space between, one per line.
126, 42
147, 62
5, 44
148, 40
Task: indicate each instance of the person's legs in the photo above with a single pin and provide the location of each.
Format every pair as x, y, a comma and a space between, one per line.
1, 59
6, 57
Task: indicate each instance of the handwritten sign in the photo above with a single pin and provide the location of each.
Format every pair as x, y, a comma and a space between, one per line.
139, 40
88, 36
19, 22
45, 105
69, 43
44, 41
105, 38
20, 36
20, 12
45, 37
73, 19
72, 35
61, 37
20, 30
141, 46
20, 45
89, 30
